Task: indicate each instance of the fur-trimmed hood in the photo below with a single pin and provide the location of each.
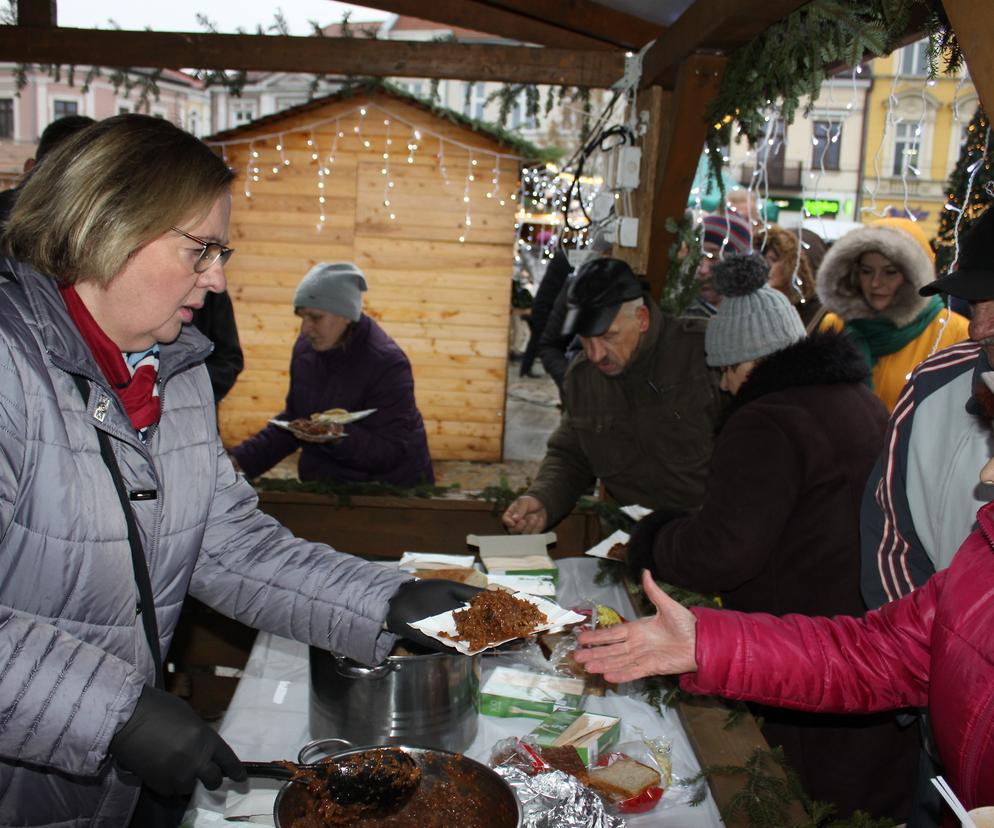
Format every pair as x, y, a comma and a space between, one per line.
903, 250
821, 359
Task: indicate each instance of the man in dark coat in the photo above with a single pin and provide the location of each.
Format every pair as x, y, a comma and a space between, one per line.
640, 405
778, 531
343, 359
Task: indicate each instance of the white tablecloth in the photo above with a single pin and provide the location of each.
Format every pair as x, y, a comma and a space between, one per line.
267, 719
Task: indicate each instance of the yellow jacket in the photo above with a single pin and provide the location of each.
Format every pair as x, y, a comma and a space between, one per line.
892, 371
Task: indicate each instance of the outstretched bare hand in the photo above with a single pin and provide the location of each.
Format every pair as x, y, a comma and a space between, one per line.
661, 645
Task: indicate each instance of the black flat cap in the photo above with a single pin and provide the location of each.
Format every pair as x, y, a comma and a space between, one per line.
973, 279
601, 287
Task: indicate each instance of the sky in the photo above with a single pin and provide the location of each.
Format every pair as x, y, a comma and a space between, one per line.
227, 15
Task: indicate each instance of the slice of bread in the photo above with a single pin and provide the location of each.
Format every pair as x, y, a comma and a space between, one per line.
622, 779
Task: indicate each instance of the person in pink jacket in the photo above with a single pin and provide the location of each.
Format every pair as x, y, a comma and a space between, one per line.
933, 648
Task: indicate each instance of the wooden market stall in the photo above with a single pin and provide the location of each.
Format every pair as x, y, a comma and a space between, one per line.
424, 204
685, 47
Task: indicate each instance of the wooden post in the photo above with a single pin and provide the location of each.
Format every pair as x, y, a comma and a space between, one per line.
974, 26
656, 101
669, 160
36, 13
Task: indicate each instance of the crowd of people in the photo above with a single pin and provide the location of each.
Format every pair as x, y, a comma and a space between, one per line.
833, 476
808, 437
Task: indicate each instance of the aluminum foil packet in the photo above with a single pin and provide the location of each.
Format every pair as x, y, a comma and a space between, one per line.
549, 798
553, 799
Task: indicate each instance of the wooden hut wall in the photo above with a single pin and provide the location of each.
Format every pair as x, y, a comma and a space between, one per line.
445, 301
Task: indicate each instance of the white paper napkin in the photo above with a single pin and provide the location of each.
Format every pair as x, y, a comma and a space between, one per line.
601, 549
636, 512
445, 622
254, 804
532, 584
435, 560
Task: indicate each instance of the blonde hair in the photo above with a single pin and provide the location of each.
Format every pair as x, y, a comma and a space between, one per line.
108, 191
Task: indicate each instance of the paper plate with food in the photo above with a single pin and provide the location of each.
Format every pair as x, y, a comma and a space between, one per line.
493, 617
614, 546
323, 426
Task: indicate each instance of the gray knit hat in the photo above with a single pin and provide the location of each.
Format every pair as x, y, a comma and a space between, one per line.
753, 320
335, 287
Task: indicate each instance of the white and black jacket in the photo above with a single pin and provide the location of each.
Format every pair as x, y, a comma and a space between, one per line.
921, 500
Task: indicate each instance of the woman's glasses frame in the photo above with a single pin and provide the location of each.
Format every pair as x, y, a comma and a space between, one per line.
210, 254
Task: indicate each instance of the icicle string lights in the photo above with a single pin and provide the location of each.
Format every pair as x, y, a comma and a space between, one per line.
358, 132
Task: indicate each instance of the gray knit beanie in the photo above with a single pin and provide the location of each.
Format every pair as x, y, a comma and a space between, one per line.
335, 287
753, 320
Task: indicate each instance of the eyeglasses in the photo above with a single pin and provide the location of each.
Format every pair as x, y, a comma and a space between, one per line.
211, 253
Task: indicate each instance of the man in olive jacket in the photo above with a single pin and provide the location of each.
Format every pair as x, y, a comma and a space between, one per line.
640, 405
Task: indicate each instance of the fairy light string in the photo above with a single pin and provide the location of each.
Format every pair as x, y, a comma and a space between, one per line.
337, 124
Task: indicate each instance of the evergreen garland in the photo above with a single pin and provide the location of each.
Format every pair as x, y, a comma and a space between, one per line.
974, 162
500, 496
766, 796
344, 492
681, 287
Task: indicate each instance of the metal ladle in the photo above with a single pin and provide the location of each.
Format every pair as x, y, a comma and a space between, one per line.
378, 783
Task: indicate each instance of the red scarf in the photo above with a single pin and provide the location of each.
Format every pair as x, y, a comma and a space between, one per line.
134, 392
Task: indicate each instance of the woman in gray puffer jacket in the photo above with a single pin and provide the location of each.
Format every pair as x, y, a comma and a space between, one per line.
113, 243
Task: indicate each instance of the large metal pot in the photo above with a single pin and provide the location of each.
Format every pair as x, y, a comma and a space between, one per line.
493, 800
430, 701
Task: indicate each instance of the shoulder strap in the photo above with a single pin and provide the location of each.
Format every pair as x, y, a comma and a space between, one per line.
146, 601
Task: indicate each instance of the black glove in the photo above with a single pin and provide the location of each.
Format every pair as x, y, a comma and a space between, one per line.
420, 599
167, 745
643, 540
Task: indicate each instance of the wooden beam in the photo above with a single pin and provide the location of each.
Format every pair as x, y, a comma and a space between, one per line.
681, 142
36, 13
484, 17
974, 27
319, 55
626, 31
719, 25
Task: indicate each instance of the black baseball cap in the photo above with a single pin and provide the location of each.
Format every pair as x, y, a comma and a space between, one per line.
973, 279
601, 287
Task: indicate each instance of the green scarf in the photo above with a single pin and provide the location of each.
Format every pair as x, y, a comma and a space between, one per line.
880, 336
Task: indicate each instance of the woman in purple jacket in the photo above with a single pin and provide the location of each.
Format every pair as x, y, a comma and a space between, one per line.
343, 359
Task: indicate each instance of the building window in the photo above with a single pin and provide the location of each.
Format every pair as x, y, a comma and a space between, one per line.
772, 148
475, 101
194, 120
914, 59
827, 140
518, 118
244, 113
62, 109
6, 118
906, 147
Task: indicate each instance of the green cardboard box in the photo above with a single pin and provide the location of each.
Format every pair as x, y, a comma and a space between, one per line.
510, 692
592, 734
516, 554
